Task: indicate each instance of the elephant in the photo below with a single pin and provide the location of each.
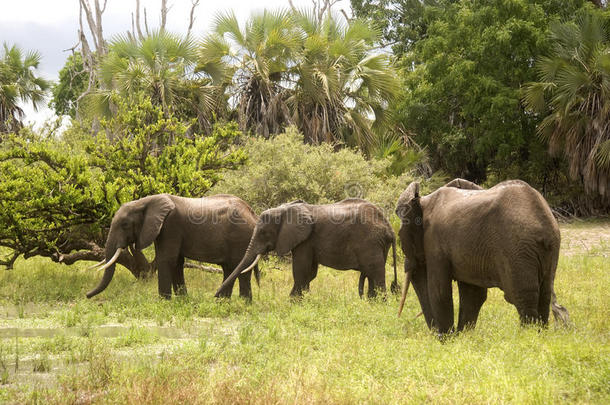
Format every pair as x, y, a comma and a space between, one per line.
213, 229
350, 234
504, 237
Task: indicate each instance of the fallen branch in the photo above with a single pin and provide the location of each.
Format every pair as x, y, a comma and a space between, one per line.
208, 269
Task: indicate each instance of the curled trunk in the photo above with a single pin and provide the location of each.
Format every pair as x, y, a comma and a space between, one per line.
248, 260
110, 253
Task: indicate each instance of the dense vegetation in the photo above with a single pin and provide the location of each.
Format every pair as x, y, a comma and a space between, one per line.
487, 90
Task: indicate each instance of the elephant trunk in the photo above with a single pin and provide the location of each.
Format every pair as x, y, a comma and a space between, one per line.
249, 260
420, 285
108, 270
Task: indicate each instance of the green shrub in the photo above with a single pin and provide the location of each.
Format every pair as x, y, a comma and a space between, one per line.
283, 169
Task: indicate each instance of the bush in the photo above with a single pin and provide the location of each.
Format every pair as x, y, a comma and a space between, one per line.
284, 169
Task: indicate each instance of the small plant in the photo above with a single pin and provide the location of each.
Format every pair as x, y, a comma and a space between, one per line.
42, 364
3, 368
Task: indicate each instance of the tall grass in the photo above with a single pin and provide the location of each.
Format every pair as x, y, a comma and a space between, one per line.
330, 347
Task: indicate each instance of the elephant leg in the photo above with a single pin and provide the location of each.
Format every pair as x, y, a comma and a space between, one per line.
312, 274
375, 273
472, 298
226, 271
178, 278
301, 269
527, 306
166, 269
524, 291
544, 301
245, 285
440, 293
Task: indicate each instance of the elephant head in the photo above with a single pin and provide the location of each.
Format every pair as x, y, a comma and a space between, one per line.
411, 214
136, 224
279, 229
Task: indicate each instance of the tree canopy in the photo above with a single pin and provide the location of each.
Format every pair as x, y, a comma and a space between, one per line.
19, 83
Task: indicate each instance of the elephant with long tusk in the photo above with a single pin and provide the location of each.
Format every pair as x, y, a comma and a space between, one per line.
213, 229
350, 234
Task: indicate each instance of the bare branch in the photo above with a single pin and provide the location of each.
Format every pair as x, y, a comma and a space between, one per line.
292, 7
10, 261
138, 26
91, 255
146, 23
86, 7
194, 3
164, 11
347, 19
208, 269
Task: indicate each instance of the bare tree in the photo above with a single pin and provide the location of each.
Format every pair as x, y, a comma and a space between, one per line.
93, 15
320, 8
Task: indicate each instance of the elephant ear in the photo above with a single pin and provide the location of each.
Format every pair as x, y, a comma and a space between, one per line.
463, 184
409, 210
156, 208
296, 226
403, 206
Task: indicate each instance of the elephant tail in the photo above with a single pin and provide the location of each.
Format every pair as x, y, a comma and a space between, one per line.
560, 313
394, 287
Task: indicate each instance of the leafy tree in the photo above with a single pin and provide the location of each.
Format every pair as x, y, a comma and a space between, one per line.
402, 22
19, 84
73, 81
59, 195
463, 79
574, 94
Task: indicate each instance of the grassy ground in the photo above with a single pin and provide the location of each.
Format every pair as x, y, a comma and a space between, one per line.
128, 346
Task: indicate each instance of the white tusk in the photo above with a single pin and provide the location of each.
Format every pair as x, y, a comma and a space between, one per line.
113, 259
404, 292
247, 269
96, 264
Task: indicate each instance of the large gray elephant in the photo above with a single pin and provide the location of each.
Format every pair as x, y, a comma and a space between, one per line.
503, 237
213, 229
351, 234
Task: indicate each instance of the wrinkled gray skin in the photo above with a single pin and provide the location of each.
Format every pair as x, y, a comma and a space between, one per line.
503, 237
351, 234
213, 229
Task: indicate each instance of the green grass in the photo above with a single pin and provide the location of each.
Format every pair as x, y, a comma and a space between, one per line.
128, 346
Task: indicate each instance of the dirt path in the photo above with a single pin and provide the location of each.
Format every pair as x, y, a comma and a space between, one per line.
586, 237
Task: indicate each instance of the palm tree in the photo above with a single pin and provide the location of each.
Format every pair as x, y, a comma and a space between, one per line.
574, 90
19, 84
342, 88
294, 68
254, 59
161, 66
